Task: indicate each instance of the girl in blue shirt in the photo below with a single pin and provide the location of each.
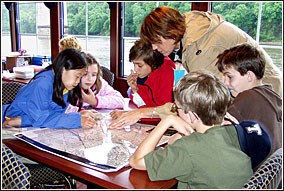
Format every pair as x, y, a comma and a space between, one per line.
49, 99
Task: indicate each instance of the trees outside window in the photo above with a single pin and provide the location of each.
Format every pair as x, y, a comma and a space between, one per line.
261, 20
5, 33
90, 22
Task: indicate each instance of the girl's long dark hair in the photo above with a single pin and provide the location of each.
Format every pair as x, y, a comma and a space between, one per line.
69, 59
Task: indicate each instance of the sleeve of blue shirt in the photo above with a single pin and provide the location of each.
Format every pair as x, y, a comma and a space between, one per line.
42, 111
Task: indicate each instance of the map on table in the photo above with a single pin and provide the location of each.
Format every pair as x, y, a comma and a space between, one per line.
103, 150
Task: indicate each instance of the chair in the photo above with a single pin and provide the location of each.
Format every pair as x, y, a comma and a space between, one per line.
269, 174
43, 177
10, 90
15, 175
107, 75
19, 175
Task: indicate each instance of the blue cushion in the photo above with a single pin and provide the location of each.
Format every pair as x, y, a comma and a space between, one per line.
15, 175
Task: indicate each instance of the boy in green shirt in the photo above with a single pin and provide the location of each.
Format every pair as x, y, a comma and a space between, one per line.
205, 154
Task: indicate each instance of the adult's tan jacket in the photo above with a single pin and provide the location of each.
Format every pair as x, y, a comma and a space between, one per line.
208, 34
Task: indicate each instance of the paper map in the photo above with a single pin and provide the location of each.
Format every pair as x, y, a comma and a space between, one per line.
102, 150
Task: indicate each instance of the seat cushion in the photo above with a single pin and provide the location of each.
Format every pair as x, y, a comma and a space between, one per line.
15, 175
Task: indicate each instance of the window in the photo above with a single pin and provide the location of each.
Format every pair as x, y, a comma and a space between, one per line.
5, 36
261, 20
35, 28
90, 23
133, 14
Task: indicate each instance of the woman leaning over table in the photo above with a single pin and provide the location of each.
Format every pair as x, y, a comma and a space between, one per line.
48, 99
202, 36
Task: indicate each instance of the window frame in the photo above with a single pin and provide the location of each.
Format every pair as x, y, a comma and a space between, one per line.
116, 31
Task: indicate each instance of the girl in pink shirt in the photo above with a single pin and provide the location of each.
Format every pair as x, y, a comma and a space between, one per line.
96, 92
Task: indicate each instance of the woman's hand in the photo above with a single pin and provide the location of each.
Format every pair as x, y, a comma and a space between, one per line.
116, 113
13, 122
132, 81
165, 110
89, 98
123, 118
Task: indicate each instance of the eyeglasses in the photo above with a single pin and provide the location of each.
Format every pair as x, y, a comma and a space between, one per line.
175, 108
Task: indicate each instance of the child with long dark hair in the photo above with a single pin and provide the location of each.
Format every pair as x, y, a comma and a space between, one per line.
50, 98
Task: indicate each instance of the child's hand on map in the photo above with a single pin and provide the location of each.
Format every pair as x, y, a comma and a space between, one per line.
13, 122
90, 112
88, 119
88, 122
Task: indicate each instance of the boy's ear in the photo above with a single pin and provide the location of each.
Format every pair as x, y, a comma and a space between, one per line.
250, 76
192, 116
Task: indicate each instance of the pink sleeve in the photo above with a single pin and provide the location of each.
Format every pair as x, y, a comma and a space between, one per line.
109, 98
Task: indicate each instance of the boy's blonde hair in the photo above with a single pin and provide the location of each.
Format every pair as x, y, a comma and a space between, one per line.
70, 42
203, 93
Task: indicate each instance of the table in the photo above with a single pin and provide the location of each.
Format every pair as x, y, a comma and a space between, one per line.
126, 178
24, 81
